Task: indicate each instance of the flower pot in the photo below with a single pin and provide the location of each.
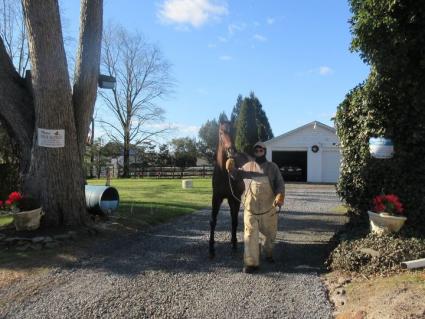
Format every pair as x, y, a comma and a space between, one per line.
384, 223
28, 220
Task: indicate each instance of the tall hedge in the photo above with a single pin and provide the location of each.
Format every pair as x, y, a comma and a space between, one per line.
390, 36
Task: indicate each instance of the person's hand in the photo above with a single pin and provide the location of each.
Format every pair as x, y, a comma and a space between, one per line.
230, 164
279, 199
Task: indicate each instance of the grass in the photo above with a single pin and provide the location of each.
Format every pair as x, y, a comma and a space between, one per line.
143, 202
152, 201
341, 209
5, 220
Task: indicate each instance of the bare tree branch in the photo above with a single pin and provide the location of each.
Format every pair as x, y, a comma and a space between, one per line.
143, 77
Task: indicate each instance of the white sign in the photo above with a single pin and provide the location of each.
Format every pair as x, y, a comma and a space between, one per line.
381, 147
51, 138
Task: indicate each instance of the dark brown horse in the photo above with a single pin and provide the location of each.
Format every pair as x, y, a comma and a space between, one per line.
223, 186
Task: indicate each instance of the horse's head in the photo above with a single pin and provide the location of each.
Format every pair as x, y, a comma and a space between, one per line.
225, 139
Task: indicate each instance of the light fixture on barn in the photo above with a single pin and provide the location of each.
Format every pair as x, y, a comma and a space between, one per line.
107, 82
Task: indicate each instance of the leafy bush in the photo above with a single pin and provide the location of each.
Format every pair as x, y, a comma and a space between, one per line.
390, 36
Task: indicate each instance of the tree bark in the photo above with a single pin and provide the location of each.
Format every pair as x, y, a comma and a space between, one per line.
16, 107
126, 168
87, 68
55, 176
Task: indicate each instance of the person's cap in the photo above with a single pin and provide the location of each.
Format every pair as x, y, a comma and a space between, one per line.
260, 144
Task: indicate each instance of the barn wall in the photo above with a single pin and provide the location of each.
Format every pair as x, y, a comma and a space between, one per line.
303, 140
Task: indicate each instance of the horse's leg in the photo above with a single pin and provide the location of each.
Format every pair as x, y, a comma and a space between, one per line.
216, 202
234, 211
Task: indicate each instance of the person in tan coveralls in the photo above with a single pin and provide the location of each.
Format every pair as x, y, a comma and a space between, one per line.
264, 191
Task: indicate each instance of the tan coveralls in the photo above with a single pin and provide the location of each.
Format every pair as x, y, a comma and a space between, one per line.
260, 217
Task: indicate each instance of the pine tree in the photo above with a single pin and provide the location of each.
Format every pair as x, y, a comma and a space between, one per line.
223, 117
264, 130
236, 110
246, 127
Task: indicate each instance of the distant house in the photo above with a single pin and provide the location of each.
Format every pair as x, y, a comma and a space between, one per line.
309, 153
202, 161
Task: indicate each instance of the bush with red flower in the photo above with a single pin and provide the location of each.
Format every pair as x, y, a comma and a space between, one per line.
388, 204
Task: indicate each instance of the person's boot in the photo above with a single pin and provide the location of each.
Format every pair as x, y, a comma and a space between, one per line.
250, 269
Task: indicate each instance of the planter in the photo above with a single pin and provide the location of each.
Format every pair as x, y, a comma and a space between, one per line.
384, 223
28, 220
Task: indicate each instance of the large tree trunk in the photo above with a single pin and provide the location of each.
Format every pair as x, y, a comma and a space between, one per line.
16, 107
55, 175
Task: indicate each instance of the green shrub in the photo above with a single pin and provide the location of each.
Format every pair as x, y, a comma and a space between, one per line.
390, 36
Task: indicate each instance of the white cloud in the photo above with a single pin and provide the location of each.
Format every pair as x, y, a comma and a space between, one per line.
225, 58
270, 21
192, 12
322, 70
325, 70
259, 38
212, 45
222, 39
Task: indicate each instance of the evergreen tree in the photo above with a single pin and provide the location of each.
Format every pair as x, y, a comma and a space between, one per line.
264, 130
208, 135
236, 110
223, 117
246, 127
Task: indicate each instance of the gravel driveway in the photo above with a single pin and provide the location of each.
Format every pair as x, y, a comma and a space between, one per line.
166, 273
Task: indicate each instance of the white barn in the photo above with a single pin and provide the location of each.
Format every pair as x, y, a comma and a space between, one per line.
309, 153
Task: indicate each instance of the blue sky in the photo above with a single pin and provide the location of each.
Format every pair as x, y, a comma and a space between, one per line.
293, 54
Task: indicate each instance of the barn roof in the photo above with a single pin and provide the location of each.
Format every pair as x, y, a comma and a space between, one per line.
314, 124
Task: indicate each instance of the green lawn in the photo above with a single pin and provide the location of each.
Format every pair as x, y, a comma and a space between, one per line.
151, 201
5, 220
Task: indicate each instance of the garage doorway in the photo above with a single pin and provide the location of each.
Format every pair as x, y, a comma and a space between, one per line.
292, 165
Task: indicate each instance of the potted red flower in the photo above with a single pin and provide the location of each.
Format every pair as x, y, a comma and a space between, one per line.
25, 210
387, 215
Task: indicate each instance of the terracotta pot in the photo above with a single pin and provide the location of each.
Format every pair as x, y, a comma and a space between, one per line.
27, 220
384, 223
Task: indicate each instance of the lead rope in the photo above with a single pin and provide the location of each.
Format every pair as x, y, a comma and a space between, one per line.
243, 204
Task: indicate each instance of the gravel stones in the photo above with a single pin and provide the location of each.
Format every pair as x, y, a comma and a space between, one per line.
166, 273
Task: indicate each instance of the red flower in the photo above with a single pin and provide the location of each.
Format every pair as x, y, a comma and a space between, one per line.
388, 203
8, 202
15, 197
1, 203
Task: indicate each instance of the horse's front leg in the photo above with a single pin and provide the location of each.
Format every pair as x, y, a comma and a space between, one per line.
216, 202
234, 211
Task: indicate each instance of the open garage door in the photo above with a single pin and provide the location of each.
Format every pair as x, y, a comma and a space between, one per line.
292, 165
